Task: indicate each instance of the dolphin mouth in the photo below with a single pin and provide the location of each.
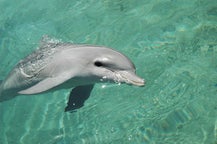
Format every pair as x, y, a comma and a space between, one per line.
129, 78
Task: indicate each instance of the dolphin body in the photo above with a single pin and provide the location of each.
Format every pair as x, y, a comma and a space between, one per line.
56, 65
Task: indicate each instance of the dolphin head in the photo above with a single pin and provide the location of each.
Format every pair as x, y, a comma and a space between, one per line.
108, 65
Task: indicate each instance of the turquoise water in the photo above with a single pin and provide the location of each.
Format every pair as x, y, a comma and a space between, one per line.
173, 44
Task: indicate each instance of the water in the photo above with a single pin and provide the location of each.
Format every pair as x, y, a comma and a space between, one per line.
173, 44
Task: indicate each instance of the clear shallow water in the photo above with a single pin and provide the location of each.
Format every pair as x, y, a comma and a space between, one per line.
173, 45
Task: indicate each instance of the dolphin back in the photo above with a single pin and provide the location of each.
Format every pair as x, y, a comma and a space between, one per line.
5, 94
13, 83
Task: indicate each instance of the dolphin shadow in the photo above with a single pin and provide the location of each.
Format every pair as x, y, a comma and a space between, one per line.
77, 97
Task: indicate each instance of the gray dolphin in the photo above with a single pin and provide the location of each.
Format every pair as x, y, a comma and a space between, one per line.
56, 65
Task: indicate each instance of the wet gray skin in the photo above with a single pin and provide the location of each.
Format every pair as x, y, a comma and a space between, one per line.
62, 66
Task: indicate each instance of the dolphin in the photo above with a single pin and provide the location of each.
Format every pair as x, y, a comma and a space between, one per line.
56, 65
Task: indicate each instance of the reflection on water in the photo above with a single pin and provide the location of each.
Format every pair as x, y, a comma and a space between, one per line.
173, 45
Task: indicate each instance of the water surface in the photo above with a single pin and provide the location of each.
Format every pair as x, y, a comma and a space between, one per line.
173, 44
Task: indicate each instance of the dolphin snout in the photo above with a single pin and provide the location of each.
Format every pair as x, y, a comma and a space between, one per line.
131, 78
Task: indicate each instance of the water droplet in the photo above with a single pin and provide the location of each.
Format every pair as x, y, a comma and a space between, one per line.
103, 86
130, 137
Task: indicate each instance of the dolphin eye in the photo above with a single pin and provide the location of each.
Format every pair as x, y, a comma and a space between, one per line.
98, 64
